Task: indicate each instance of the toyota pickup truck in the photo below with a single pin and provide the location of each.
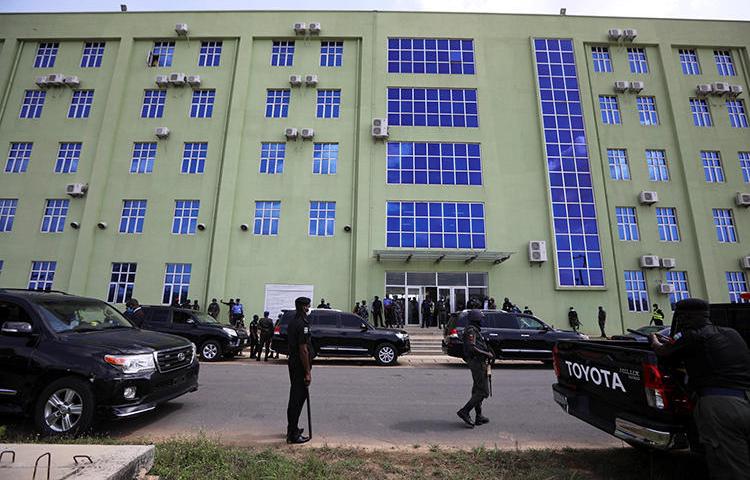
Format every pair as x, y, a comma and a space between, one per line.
624, 389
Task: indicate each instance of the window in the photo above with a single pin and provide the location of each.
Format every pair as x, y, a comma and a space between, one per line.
153, 103
7, 213
679, 282
331, 54
712, 167
432, 107
133, 215
578, 251
272, 158
42, 275
267, 218
67, 157
724, 64
185, 217
424, 163
609, 109
277, 103
744, 165
431, 55
325, 157
176, 282
657, 165
121, 282
635, 287
210, 54
689, 62
80, 104
282, 54
329, 103
647, 111
435, 225
701, 113
637, 60
602, 61
618, 164
736, 284
351, 322
724, 222
666, 219
322, 219
627, 223
161, 54
194, 157
144, 154
33, 102
93, 52
55, 212
18, 157
326, 319
46, 54
203, 104
737, 117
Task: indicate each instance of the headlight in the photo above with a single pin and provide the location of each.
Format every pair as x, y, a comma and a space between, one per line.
132, 363
230, 332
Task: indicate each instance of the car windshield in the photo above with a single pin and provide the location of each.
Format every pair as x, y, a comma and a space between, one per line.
205, 318
81, 316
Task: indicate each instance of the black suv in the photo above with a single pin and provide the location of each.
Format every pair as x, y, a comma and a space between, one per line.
512, 336
340, 334
65, 358
212, 338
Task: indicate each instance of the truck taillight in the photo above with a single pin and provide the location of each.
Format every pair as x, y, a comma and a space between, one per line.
277, 330
453, 333
556, 360
657, 391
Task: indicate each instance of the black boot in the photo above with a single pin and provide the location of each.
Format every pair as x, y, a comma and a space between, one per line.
480, 419
464, 415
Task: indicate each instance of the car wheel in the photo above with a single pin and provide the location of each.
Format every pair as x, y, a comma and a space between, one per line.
210, 351
386, 354
65, 408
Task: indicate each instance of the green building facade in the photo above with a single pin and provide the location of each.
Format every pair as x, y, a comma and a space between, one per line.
503, 131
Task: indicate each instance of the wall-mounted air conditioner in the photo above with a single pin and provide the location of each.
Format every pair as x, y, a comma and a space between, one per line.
311, 80
629, 34
649, 261
614, 34
291, 132
177, 79
181, 29
666, 288
300, 28
537, 251
76, 190
307, 133
161, 132
636, 86
314, 28
648, 198
194, 81
668, 262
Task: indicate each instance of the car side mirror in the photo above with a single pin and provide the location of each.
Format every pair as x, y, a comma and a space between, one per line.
17, 329
363, 327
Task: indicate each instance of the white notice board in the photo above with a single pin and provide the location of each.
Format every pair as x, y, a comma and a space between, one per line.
281, 297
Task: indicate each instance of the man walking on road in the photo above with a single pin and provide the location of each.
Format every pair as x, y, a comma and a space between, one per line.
476, 354
377, 312
265, 325
602, 320
300, 368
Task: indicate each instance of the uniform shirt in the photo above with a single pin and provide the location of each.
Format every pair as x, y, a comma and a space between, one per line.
298, 333
377, 306
473, 341
266, 326
714, 357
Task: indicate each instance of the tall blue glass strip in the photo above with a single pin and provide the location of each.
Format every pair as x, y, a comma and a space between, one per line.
577, 245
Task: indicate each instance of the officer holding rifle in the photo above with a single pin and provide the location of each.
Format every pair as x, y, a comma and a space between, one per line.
478, 356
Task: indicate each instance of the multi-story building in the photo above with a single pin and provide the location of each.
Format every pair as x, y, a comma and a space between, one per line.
556, 160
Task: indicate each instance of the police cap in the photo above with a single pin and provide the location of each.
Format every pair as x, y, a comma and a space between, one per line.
301, 302
475, 317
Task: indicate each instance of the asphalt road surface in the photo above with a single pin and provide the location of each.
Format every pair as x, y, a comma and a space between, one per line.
368, 406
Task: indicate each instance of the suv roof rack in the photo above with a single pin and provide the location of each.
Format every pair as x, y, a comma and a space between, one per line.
32, 290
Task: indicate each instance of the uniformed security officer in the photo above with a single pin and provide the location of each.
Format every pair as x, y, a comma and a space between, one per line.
254, 342
300, 366
213, 308
265, 325
602, 317
657, 316
717, 361
476, 354
573, 319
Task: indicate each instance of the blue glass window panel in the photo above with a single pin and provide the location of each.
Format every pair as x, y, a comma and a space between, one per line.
68, 156
18, 157
33, 103
202, 105
144, 155
282, 53
80, 104
724, 63
153, 103
210, 54
185, 217
277, 103
46, 54
194, 157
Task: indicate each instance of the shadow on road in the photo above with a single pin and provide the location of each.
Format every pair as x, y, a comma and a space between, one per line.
429, 426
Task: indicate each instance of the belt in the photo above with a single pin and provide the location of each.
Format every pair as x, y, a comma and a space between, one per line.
723, 392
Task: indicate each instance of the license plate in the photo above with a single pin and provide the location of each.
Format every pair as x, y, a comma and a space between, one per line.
561, 399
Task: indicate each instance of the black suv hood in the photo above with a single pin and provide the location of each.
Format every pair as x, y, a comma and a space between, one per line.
124, 341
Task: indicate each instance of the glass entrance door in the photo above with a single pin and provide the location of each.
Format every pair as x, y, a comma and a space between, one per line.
455, 296
413, 301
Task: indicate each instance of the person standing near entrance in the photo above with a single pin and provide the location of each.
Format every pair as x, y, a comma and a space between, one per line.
265, 325
413, 310
426, 312
300, 368
377, 311
213, 309
602, 320
573, 319
476, 354
388, 310
442, 312
657, 316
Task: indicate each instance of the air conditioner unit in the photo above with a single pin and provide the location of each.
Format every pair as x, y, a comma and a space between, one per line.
629, 34
290, 132
307, 133
636, 86
735, 90
668, 262
181, 28
162, 81
379, 122
614, 33
55, 79
194, 81
703, 89
41, 81
648, 198
161, 132
666, 288
720, 88
649, 261
311, 80
177, 79
76, 190
621, 85
537, 251
314, 27
742, 199
745, 263
72, 81
300, 28
295, 80
380, 131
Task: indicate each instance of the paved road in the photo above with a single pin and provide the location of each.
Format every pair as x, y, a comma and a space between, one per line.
245, 403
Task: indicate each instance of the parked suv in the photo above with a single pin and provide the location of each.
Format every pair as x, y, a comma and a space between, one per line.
64, 359
512, 336
212, 338
340, 334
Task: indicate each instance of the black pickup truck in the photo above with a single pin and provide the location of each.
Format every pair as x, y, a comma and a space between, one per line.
621, 387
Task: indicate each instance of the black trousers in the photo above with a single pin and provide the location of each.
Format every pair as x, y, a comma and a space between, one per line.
480, 388
265, 341
724, 427
601, 327
375, 317
297, 397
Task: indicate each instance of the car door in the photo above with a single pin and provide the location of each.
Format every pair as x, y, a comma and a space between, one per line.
16, 352
352, 339
325, 324
184, 325
502, 334
535, 339
158, 320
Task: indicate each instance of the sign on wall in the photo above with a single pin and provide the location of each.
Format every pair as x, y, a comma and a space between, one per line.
281, 297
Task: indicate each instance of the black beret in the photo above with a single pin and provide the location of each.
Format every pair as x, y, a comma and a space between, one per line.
692, 305
301, 301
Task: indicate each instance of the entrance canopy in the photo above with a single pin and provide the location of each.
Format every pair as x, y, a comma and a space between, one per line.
437, 256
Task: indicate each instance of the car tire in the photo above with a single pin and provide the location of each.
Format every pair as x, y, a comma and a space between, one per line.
64, 408
386, 354
210, 351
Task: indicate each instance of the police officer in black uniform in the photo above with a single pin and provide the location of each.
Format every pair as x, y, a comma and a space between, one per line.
265, 325
717, 361
300, 366
476, 354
